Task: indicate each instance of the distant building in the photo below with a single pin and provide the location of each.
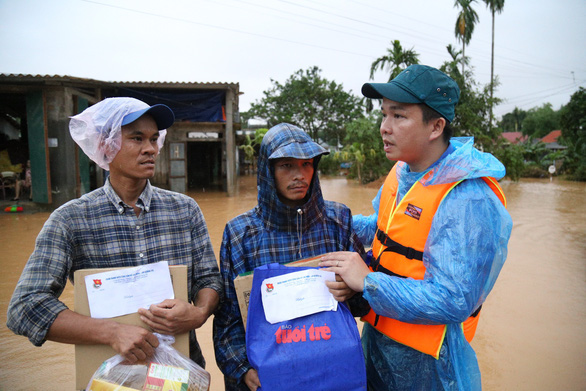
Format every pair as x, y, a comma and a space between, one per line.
514, 137
551, 141
200, 149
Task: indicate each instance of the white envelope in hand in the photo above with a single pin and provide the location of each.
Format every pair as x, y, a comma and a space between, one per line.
120, 292
297, 294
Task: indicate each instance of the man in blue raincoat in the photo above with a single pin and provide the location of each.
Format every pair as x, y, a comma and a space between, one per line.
440, 240
292, 221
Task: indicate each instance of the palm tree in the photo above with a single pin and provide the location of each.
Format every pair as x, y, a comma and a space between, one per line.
465, 23
451, 67
395, 60
494, 6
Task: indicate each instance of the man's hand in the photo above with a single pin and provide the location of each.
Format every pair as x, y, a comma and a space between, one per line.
251, 379
340, 289
134, 343
173, 316
349, 266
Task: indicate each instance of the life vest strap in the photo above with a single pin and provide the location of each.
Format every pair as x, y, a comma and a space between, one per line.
475, 314
391, 245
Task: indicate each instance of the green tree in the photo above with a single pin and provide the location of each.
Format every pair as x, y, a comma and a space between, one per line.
465, 23
473, 107
364, 148
573, 125
512, 158
395, 60
320, 107
495, 6
452, 67
251, 146
540, 121
513, 121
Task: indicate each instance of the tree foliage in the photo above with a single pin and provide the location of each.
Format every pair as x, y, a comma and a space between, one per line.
573, 125
465, 23
395, 60
472, 110
512, 158
364, 148
320, 107
540, 121
513, 121
495, 6
251, 146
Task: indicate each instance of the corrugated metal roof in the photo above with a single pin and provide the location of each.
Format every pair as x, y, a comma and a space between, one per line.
66, 78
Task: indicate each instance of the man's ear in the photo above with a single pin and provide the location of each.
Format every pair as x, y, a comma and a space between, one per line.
437, 128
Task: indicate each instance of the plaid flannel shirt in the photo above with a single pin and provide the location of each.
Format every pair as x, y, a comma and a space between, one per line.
99, 231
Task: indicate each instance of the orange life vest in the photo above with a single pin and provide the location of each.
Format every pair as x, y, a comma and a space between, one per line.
398, 251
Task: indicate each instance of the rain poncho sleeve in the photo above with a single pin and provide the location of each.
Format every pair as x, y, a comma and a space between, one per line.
365, 226
464, 253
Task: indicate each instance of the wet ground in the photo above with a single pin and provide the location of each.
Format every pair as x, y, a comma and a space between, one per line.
531, 335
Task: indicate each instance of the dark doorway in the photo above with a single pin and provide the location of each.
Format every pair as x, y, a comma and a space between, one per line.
204, 165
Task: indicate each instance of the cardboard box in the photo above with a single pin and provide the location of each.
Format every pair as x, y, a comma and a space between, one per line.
88, 358
243, 284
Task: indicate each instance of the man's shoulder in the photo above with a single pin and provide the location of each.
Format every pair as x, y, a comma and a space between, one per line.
90, 199
246, 219
337, 213
171, 197
336, 208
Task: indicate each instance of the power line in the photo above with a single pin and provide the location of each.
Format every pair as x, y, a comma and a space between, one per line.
177, 19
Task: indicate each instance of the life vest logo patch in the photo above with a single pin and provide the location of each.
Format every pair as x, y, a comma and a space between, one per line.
413, 211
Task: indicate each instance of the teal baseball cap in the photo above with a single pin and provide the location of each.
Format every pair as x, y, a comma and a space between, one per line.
419, 84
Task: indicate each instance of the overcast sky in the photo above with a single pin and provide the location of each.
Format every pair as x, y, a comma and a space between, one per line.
540, 49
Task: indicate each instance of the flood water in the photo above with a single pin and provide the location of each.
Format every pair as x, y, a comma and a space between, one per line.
531, 335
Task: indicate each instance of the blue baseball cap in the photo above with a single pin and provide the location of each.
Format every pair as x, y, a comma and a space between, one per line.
162, 115
419, 84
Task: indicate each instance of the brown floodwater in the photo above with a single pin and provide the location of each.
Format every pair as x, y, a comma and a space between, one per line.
531, 335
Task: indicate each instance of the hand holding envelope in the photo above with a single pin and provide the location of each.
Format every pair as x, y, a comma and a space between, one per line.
297, 294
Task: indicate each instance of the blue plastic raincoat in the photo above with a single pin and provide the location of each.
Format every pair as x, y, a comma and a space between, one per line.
464, 253
273, 232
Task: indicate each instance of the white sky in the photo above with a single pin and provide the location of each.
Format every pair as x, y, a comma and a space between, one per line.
540, 49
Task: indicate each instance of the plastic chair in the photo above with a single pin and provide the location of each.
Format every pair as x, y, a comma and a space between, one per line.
7, 181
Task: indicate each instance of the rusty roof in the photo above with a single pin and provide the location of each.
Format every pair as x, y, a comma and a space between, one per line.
51, 79
552, 136
514, 137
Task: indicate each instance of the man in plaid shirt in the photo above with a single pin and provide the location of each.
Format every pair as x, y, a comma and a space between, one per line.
127, 222
292, 221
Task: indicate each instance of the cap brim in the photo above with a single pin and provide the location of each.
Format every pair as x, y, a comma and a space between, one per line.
297, 150
390, 91
162, 115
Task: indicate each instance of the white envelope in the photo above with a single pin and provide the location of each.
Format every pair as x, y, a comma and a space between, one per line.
124, 291
297, 294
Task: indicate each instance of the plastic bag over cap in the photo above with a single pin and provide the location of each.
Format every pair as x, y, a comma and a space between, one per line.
168, 368
97, 130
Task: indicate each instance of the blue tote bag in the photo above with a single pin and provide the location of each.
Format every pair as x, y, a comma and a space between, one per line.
321, 351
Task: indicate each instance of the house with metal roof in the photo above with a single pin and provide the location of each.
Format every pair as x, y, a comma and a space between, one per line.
200, 149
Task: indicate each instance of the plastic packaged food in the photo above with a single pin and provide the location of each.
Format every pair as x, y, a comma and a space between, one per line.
167, 370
